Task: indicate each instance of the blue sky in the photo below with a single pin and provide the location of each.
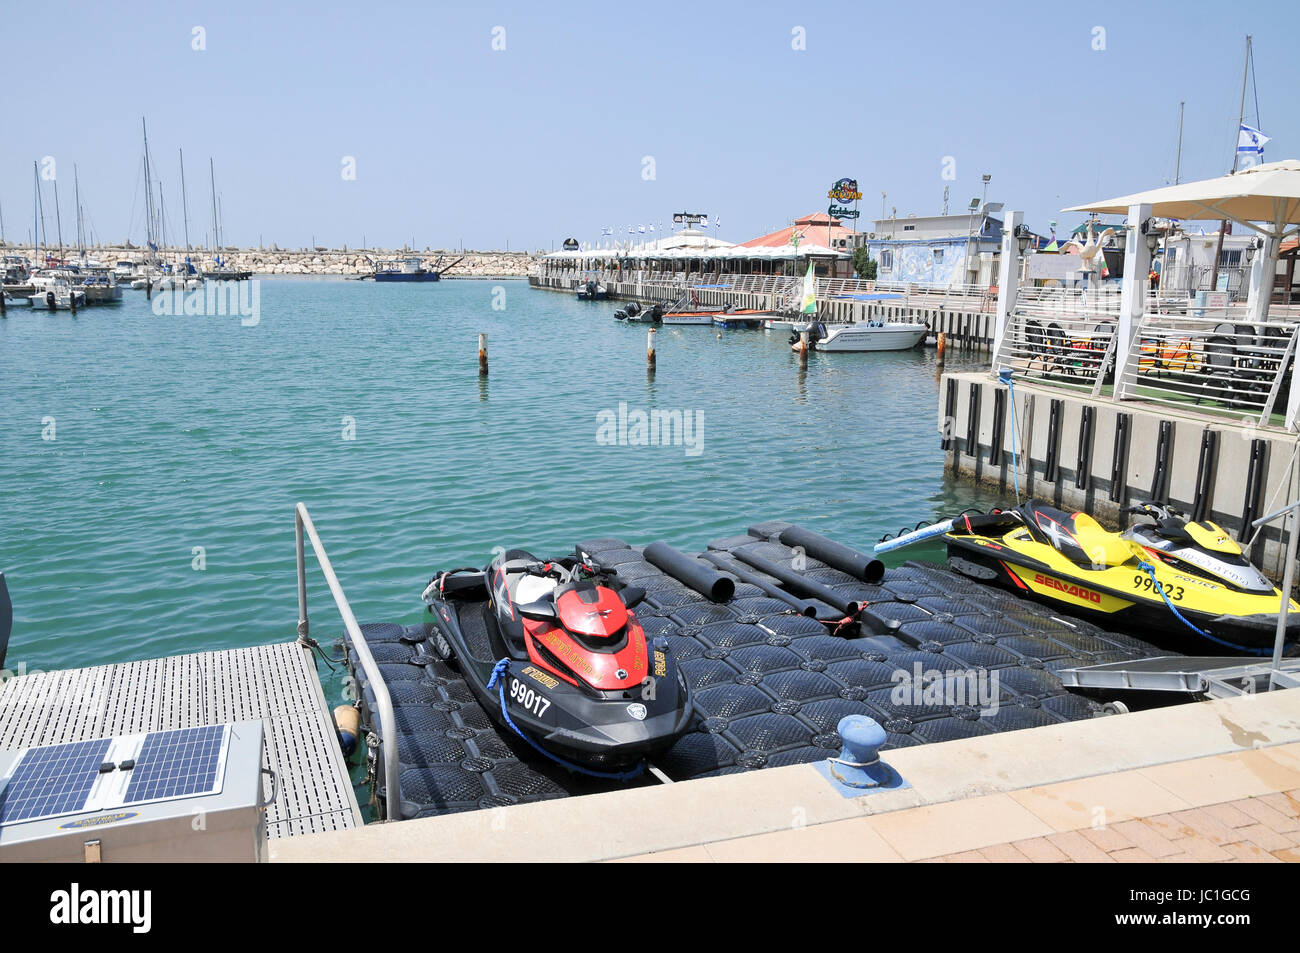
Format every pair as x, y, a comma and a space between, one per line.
457, 142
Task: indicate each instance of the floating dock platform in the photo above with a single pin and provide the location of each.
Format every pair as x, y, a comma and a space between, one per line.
275, 683
769, 685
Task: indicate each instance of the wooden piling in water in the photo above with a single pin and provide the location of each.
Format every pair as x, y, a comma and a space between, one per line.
650, 350
482, 356
804, 346
940, 342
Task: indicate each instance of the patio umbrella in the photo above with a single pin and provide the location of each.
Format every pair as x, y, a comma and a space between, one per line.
1267, 193
1264, 198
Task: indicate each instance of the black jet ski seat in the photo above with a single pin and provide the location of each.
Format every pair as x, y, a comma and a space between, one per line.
1076, 536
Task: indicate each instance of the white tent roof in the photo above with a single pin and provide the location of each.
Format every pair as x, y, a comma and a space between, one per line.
1263, 193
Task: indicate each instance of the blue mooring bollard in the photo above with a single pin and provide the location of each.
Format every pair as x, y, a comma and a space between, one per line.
859, 764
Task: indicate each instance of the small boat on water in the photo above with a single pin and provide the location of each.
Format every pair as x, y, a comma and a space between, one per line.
743, 318
404, 269
860, 336
54, 292
592, 290
100, 285
124, 271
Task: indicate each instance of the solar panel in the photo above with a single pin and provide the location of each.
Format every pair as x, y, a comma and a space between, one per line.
50, 781
111, 772
180, 763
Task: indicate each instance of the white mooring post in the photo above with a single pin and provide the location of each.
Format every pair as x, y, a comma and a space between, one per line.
1008, 279
1132, 296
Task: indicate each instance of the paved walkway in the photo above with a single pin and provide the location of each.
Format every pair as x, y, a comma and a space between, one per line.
1243, 806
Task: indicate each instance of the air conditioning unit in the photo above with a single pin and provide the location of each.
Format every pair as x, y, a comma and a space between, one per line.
871, 236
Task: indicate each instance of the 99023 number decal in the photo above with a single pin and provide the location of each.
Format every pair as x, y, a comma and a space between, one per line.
1144, 582
527, 698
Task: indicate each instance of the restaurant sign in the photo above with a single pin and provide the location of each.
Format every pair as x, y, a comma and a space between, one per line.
845, 191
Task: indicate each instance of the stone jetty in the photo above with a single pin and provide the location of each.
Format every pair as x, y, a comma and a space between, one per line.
314, 261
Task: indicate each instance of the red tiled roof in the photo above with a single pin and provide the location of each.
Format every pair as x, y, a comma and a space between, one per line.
811, 229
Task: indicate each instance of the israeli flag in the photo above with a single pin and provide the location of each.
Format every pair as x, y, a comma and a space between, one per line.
641, 229
704, 221
1250, 146
607, 230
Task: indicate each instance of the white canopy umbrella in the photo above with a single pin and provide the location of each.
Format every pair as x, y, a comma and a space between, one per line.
1264, 193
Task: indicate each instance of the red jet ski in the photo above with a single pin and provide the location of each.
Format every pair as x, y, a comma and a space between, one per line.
555, 654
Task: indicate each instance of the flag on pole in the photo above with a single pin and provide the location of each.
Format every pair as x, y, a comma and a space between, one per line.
641, 229
809, 305
1250, 146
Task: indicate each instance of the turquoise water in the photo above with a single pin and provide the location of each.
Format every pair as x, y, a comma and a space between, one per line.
172, 433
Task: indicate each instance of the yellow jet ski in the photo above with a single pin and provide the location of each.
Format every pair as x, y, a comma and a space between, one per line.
1187, 581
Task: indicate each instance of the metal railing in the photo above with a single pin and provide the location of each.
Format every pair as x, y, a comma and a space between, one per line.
383, 702
1182, 354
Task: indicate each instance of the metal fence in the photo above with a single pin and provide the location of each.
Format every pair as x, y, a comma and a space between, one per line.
1181, 355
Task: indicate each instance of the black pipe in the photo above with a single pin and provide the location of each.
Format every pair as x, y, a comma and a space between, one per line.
1119, 458
803, 607
1083, 466
949, 414
837, 555
1254, 489
683, 568
798, 584
1205, 473
973, 419
999, 427
1053, 440
1160, 479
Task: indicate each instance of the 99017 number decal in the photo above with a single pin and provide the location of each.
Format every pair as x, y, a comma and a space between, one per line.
529, 699
1144, 582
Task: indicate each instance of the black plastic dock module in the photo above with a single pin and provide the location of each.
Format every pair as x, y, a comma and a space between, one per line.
1254, 488
1083, 465
949, 414
1160, 475
1053, 439
973, 420
1119, 458
1204, 472
999, 426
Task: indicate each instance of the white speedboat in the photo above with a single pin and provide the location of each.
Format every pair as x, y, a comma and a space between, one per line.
55, 293
863, 336
124, 271
778, 324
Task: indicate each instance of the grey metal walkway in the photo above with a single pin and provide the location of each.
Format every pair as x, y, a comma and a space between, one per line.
276, 683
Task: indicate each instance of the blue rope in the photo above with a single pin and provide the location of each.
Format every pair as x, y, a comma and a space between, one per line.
1005, 377
498, 681
1151, 571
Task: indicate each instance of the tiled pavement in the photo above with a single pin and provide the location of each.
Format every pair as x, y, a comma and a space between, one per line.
1243, 806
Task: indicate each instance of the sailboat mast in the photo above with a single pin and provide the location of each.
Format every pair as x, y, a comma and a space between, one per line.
1178, 162
36, 216
216, 233
1236, 137
150, 221
58, 218
81, 231
185, 208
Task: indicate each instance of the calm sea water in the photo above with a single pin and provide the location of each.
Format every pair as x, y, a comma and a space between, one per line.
364, 401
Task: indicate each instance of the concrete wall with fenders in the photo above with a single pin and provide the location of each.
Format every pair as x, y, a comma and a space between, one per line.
1224, 476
